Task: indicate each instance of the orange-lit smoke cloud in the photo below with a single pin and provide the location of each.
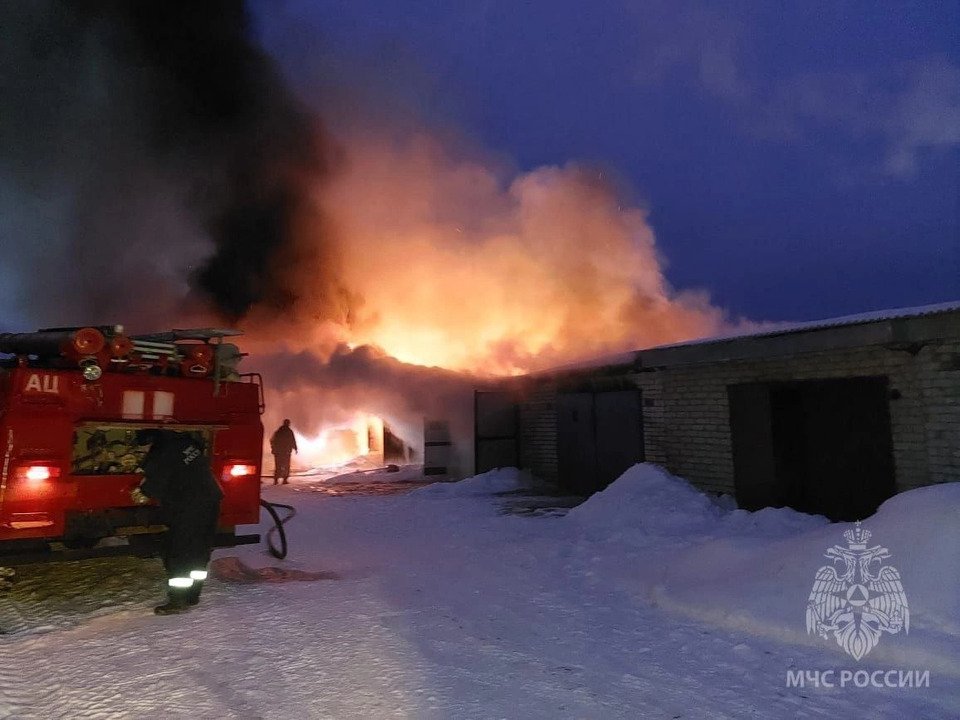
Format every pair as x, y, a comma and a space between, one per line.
454, 267
235, 206
450, 262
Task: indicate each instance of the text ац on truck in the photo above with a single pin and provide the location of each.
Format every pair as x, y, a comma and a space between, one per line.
71, 401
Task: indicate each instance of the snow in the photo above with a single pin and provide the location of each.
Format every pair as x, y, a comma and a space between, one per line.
649, 600
754, 571
782, 328
501, 480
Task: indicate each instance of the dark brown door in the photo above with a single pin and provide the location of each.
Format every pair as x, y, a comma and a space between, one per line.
576, 442
755, 476
619, 433
599, 436
496, 430
849, 451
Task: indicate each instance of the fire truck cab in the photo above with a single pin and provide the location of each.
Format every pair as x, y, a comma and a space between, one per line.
71, 401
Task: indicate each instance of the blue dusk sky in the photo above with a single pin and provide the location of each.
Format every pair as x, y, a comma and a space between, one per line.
799, 159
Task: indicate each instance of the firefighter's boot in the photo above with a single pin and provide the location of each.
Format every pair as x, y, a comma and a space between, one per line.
178, 589
175, 605
192, 594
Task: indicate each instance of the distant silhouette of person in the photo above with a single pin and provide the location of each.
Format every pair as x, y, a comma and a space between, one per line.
282, 444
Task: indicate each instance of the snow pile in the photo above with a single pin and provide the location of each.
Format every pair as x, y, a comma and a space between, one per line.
770, 522
921, 528
500, 480
763, 586
647, 502
754, 571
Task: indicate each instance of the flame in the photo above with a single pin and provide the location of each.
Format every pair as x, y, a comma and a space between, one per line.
338, 443
462, 264
452, 262
405, 239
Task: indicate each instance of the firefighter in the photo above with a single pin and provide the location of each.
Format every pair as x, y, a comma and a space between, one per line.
282, 443
177, 474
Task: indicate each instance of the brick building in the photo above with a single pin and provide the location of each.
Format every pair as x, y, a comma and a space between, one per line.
830, 417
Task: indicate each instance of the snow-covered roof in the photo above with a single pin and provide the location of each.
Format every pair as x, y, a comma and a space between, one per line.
903, 328
862, 329
785, 328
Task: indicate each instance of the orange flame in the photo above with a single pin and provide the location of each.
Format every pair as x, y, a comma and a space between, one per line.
444, 263
460, 264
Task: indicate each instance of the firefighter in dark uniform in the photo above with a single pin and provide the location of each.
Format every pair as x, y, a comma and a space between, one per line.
177, 475
282, 443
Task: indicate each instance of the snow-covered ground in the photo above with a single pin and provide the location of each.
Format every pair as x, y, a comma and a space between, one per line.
648, 601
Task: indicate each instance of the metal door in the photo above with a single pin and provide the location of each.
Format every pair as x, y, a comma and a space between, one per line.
751, 433
576, 442
619, 433
599, 436
819, 446
497, 436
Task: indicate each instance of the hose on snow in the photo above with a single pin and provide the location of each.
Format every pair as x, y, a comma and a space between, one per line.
281, 552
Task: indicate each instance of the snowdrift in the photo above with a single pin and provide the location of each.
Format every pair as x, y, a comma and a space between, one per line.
754, 571
647, 504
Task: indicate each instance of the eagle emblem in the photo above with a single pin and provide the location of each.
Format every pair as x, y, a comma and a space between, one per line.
857, 598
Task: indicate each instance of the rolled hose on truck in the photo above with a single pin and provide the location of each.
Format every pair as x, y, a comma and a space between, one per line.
278, 522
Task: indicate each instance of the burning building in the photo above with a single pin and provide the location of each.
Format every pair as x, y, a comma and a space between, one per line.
377, 271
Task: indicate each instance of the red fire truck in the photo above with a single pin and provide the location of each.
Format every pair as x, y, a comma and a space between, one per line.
71, 401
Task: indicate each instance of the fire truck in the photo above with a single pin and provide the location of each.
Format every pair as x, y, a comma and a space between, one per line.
71, 401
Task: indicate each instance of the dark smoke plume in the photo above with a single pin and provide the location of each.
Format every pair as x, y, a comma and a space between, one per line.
147, 146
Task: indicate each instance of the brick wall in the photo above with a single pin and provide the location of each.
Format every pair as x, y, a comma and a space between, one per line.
687, 423
538, 431
925, 420
938, 382
654, 419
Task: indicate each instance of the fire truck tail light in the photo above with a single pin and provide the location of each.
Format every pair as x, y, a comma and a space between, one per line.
88, 341
201, 354
121, 346
235, 470
39, 473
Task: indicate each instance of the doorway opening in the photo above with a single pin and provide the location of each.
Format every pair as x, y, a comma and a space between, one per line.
818, 446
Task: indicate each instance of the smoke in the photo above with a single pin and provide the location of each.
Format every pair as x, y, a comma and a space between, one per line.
454, 260
153, 163
459, 268
328, 393
156, 171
